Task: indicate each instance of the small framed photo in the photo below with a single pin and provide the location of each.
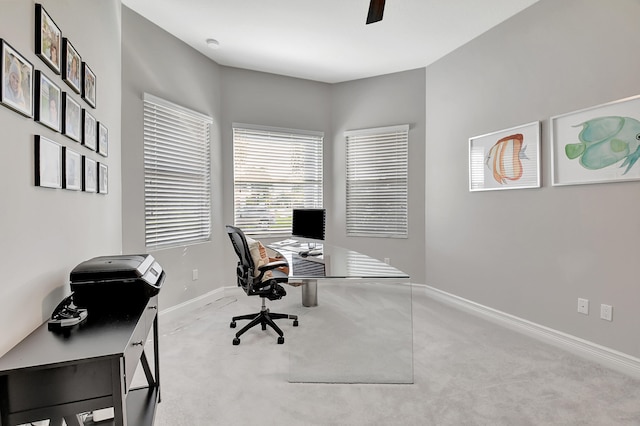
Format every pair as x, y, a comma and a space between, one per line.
103, 140
47, 102
600, 144
88, 85
72, 162
103, 178
506, 159
72, 118
71, 65
48, 163
48, 39
89, 131
89, 175
16, 82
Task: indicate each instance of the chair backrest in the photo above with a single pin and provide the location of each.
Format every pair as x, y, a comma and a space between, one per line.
245, 267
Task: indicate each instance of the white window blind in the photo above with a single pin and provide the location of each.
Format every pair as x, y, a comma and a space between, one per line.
377, 182
275, 171
177, 174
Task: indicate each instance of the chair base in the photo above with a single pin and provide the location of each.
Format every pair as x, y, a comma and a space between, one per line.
264, 318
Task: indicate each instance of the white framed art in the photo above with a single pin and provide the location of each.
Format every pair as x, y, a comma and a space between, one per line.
72, 170
600, 144
506, 159
89, 175
103, 178
48, 163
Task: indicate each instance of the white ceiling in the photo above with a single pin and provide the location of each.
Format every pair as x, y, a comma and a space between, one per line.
326, 40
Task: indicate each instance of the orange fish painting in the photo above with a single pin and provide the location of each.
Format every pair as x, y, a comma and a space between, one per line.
504, 158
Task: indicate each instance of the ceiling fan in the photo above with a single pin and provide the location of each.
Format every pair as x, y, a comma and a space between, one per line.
376, 10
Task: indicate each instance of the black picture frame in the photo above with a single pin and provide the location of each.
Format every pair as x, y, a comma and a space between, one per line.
103, 178
48, 39
89, 132
88, 85
89, 175
72, 166
71, 118
103, 140
71, 66
48, 162
16, 80
48, 99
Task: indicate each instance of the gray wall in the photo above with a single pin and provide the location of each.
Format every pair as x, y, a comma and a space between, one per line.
271, 100
159, 64
386, 100
184, 76
532, 253
256, 98
45, 232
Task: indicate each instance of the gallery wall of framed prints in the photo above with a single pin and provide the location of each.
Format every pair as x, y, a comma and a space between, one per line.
59, 93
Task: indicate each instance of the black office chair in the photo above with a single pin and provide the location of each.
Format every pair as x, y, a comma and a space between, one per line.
254, 286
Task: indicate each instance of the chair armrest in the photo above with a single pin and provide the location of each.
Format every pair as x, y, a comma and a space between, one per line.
272, 265
268, 267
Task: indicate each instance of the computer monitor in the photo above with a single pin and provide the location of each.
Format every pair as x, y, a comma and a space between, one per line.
308, 224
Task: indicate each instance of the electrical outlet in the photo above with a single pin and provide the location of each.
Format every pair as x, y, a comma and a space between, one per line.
606, 312
194, 275
583, 306
387, 261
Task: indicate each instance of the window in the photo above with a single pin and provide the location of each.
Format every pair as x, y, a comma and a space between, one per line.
275, 171
377, 182
177, 174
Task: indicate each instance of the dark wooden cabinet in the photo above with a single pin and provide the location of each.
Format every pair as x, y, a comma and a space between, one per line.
54, 375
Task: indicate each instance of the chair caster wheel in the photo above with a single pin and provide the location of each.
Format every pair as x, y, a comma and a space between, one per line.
233, 324
295, 323
280, 340
236, 341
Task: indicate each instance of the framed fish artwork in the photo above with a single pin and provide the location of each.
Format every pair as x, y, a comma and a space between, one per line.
506, 159
600, 144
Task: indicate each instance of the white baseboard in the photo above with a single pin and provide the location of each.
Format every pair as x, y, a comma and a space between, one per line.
608, 357
180, 309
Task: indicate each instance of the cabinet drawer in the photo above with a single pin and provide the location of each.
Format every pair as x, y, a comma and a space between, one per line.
57, 385
134, 349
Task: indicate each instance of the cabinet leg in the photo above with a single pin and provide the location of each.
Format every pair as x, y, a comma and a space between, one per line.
72, 420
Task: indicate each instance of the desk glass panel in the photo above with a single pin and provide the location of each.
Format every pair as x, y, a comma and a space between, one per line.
361, 330
334, 261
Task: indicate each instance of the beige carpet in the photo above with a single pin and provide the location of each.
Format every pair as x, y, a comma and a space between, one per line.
359, 333
466, 371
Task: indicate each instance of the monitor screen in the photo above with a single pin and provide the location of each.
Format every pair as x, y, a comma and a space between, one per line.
308, 223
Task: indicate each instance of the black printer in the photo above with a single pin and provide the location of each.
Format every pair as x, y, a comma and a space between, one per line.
116, 283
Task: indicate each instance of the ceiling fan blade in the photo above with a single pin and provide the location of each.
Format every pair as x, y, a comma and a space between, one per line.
376, 10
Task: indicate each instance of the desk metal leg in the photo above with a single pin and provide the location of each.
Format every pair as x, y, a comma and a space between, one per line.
310, 293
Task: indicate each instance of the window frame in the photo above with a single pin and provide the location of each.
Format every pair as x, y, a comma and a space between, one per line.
177, 174
367, 170
278, 173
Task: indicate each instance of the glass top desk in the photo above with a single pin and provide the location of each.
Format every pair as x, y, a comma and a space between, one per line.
332, 262
362, 329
